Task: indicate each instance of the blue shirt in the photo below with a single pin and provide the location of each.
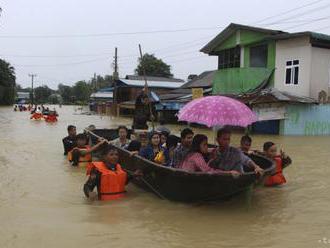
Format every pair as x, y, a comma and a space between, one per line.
148, 153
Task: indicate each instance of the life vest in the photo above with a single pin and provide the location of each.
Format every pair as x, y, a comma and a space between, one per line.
50, 118
36, 116
112, 183
278, 178
84, 160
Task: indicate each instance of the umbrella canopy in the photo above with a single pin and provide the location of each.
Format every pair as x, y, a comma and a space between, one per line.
217, 111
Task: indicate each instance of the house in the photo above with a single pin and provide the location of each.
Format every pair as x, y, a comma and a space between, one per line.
22, 97
128, 88
252, 60
246, 55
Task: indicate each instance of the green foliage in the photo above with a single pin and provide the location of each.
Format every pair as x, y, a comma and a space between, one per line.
42, 93
82, 91
7, 83
153, 67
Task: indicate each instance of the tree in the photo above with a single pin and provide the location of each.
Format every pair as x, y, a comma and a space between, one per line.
82, 91
66, 93
7, 83
42, 93
153, 67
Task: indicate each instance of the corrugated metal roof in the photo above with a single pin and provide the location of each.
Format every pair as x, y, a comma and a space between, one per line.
153, 84
204, 80
136, 77
102, 95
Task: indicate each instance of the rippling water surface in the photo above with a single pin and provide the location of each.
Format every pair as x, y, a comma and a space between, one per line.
42, 204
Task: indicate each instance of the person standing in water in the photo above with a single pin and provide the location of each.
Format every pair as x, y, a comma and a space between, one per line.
108, 177
70, 141
281, 160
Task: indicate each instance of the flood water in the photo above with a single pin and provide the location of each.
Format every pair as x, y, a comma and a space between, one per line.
42, 203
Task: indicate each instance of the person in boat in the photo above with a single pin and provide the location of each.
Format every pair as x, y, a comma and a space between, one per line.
163, 138
281, 160
194, 160
228, 158
70, 141
142, 112
15, 108
162, 128
245, 144
108, 177
82, 154
183, 148
51, 117
170, 145
154, 151
37, 115
122, 141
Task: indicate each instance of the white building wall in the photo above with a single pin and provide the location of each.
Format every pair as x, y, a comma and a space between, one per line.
320, 71
292, 49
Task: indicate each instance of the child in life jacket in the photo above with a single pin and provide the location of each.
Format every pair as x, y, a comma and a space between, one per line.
108, 176
81, 154
281, 161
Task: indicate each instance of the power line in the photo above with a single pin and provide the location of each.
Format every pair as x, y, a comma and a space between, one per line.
288, 11
305, 13
108, 34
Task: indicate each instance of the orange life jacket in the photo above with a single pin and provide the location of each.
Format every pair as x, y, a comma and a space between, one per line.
112, 183
51, 118
277, 178
36, 116
84, 160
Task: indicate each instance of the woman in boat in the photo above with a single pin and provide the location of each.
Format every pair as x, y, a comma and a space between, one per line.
281, 160
194, 160
171, 144
108, 176
154, 151
122, 141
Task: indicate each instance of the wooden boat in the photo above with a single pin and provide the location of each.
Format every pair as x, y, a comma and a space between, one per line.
179, 185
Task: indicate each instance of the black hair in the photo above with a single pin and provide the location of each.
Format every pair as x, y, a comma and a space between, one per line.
172, 141
81, 136
186, 132
108, 149
268, 145
196, 142
70, 127
122, 127
134, 145
223, 131
165, 133
246, 139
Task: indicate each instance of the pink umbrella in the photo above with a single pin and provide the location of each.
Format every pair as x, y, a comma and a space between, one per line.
217, 111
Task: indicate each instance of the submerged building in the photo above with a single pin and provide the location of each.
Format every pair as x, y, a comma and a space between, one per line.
280, 75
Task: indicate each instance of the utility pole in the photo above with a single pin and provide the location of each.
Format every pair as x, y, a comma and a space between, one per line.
95, 83
32, 93
115, 77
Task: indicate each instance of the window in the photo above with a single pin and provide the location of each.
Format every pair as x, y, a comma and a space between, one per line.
229, 58
258, 56
292, 72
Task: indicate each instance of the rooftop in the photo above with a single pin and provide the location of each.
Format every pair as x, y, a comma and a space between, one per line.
137, 77
152, 84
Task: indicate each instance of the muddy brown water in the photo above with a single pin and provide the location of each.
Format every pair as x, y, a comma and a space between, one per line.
42, 204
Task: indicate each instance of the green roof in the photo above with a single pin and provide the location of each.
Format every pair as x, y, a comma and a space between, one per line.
316, 39
230, 30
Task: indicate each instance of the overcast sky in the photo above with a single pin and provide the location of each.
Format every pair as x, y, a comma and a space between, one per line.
64, 41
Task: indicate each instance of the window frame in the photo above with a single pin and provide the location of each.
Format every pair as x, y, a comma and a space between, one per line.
292, 65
